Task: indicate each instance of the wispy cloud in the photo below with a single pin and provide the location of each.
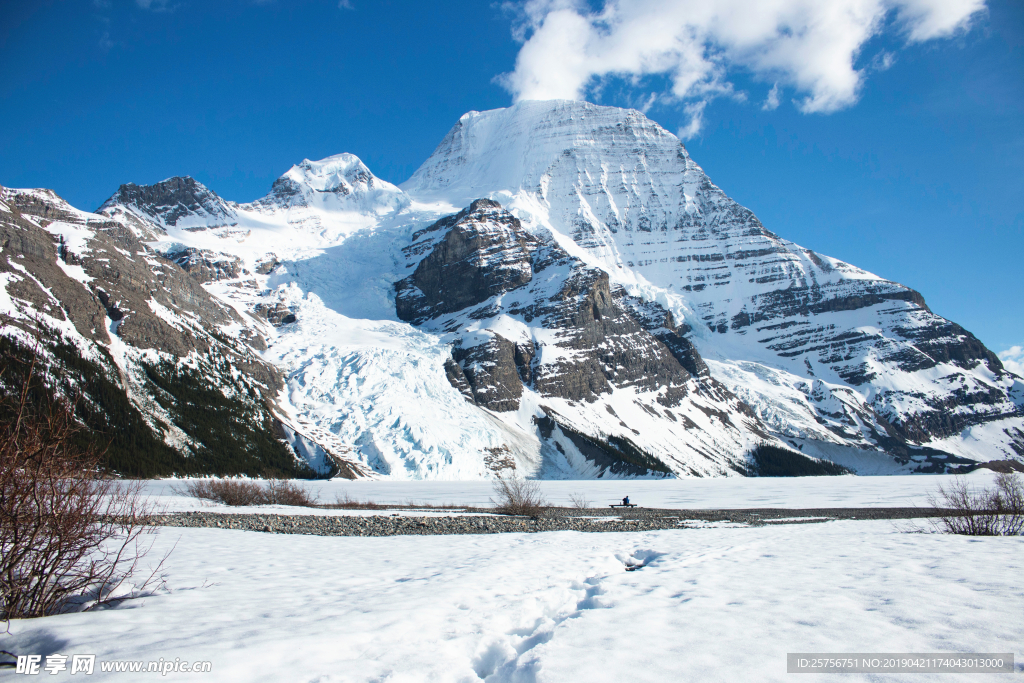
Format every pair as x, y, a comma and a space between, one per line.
811, 46
1013, 360
345, 4
695, 110
883, 61
105, 42
771, 102
156, 5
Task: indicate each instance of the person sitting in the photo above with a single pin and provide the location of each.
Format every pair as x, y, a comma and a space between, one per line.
625, 501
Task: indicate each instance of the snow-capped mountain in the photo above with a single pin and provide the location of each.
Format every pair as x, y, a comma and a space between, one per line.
558, 290
338, 183
821, 349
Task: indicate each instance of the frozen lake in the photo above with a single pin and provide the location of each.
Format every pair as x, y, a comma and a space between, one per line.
720, 493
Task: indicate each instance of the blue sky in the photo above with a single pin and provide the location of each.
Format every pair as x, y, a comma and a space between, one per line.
917, 175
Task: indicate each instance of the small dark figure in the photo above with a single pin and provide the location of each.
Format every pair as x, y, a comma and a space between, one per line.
625, 501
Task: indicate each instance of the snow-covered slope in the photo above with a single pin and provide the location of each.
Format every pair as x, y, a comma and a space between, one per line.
610, 312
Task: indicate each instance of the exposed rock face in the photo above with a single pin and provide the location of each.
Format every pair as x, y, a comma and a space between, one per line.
490, 370
612, 348
276, 314
33, 277
662, 324
577, 338
484, 252
155, 304
43, 203
206, 265
173, 201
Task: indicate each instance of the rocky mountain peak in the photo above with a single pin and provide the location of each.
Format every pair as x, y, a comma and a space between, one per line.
626, 191
180, 201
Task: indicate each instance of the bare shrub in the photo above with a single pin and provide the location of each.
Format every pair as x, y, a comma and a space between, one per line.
284, 492
517, 496
970, 511
241, 492
234, 492
346, 502
579, 501
69, 538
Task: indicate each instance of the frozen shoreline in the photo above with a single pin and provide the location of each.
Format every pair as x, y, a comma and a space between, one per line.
434, 523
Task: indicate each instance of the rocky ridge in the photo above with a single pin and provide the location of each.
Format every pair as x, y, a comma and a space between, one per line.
176, 201
156, 347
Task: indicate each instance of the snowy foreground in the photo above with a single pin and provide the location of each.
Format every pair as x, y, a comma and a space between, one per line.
715, 603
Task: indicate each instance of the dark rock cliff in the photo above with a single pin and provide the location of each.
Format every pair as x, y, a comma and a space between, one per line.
483, 253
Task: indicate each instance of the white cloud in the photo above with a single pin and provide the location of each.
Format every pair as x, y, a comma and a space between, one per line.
1013, 360
808, 45
771, 103
345, 4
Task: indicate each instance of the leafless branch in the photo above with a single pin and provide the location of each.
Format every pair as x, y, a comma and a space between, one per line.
517, 496
972, 511
68, 535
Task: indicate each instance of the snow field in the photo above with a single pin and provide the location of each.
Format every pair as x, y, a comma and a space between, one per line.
710, 604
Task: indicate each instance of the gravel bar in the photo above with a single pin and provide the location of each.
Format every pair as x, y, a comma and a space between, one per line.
552, 519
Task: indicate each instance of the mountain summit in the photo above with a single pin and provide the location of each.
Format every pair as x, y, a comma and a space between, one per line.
559, 290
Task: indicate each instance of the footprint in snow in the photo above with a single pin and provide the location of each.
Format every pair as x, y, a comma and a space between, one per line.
638, 559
